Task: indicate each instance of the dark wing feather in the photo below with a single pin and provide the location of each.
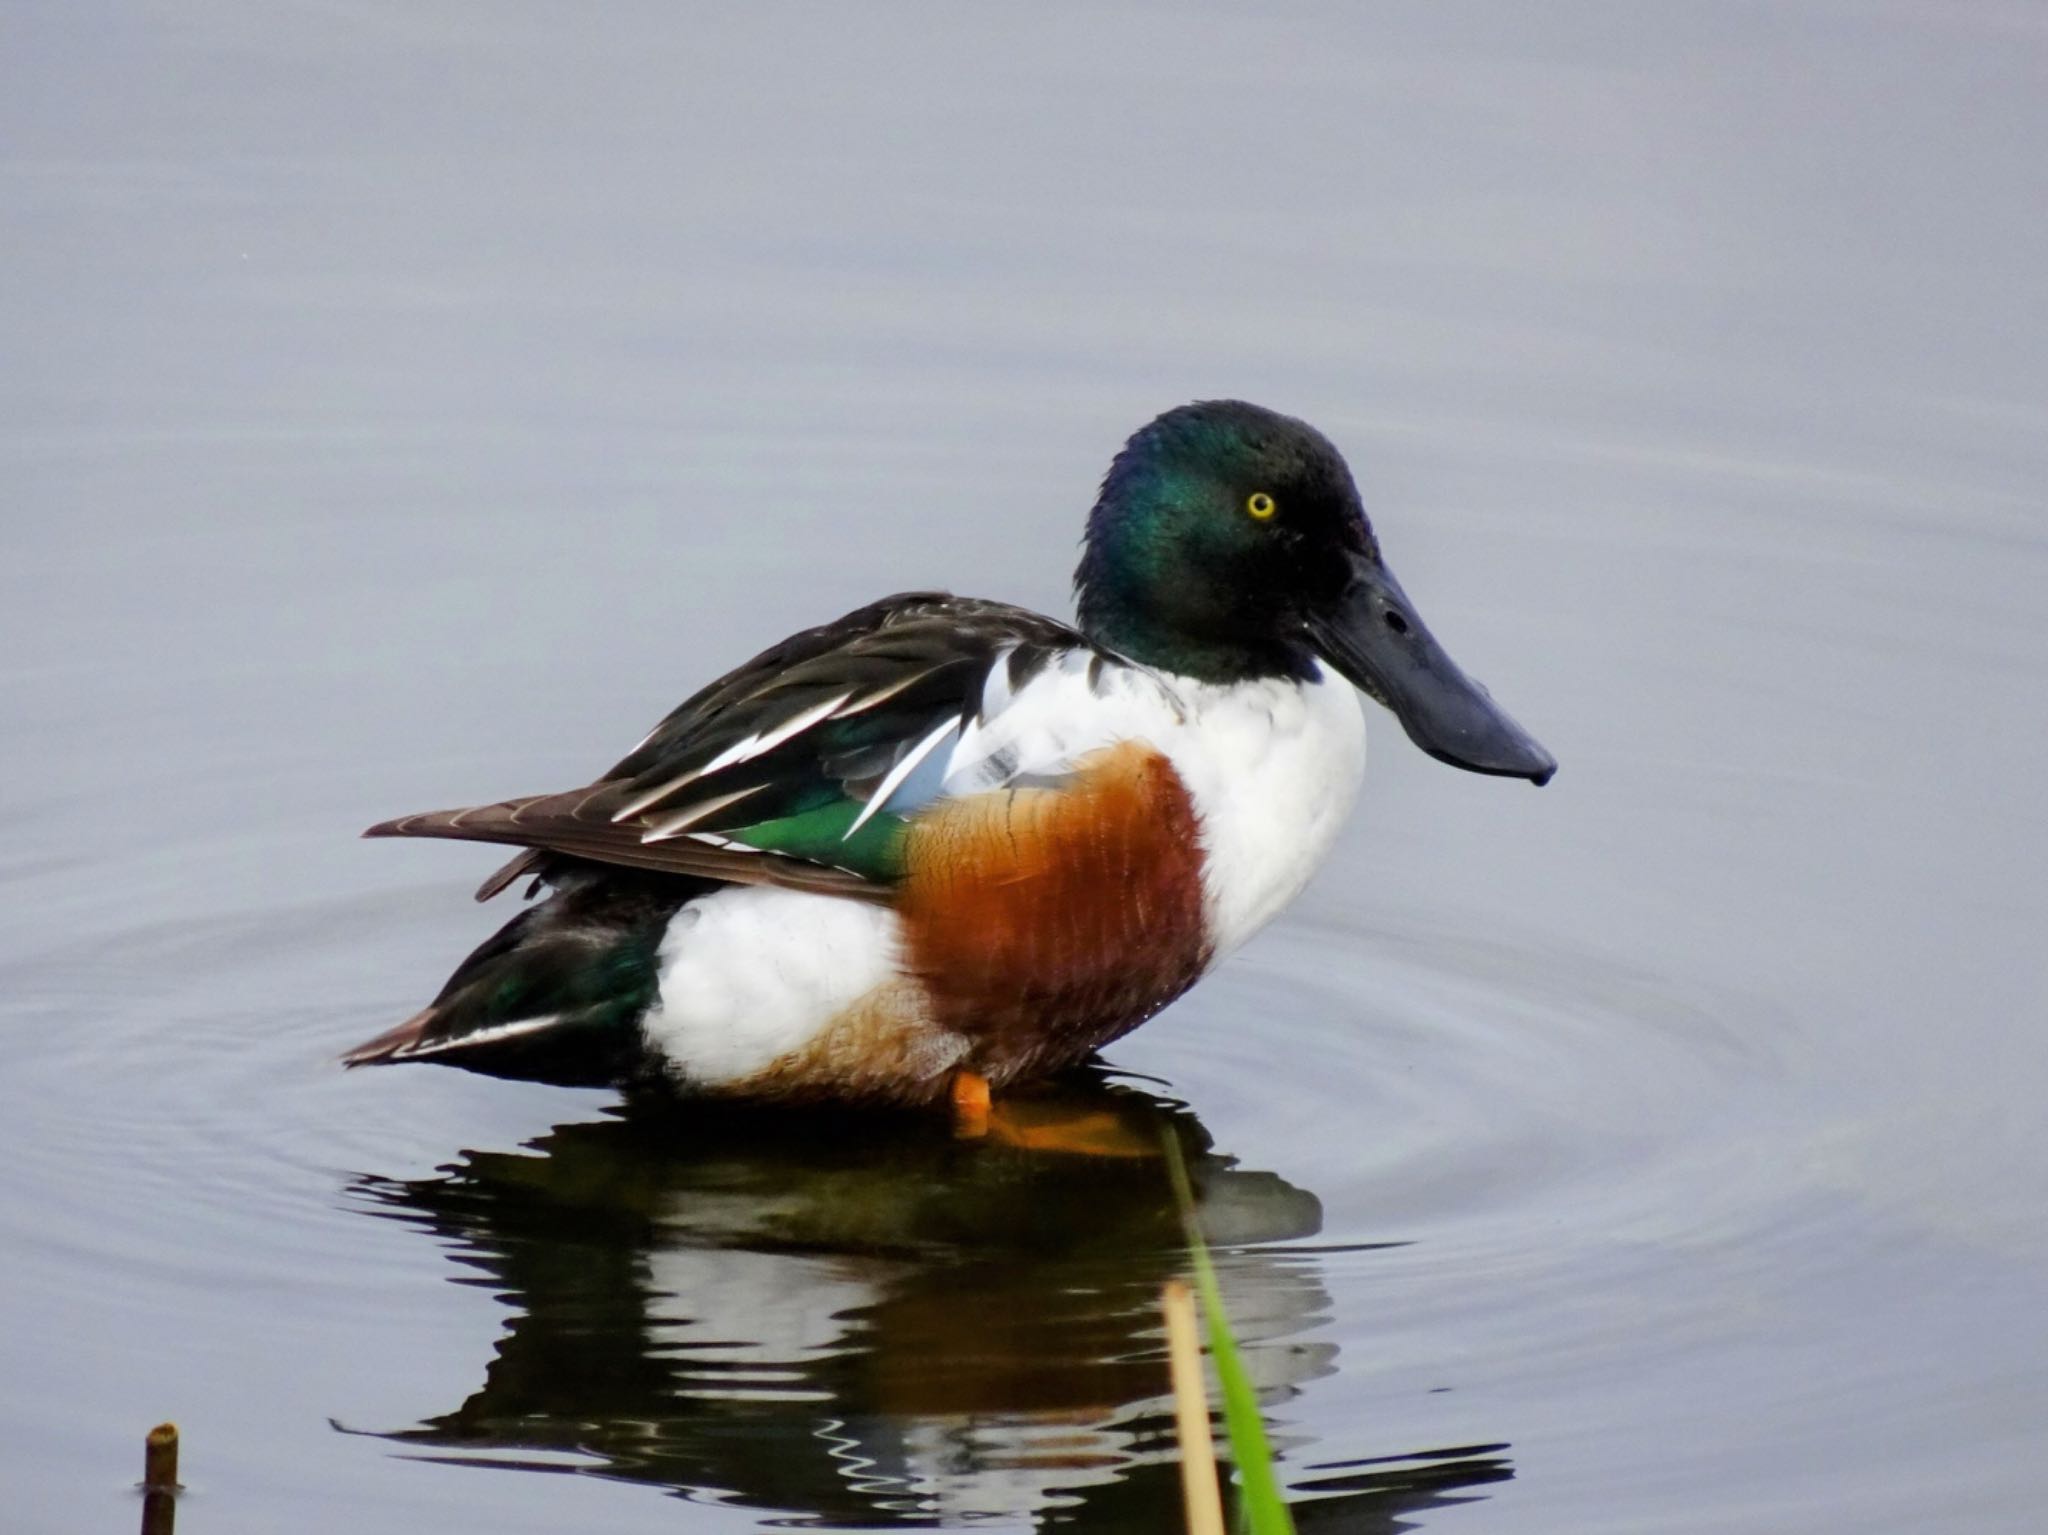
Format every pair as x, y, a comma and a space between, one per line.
804, 731
528, 861
574, 825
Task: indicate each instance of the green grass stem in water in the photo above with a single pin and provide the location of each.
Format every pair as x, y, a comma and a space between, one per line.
1261, 1509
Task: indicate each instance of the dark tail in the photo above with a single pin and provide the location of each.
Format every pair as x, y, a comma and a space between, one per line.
556, 994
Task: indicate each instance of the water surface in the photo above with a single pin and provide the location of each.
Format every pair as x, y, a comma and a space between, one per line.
405, 405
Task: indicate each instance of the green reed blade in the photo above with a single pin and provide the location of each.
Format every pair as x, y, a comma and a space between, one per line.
1261, 1508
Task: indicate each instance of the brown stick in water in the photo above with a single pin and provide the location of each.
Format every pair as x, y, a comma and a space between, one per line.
160, 1480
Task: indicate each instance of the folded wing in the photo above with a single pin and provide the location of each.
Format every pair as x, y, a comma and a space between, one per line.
801, 767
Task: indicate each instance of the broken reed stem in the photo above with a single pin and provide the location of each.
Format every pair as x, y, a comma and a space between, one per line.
160, 1480
1198, 1485
160, 1458
159, 1512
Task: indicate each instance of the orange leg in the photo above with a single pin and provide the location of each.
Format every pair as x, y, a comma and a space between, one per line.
1068, 1129
970, 1105
1034, 1124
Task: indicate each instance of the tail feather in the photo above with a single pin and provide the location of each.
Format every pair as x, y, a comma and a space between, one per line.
392, 1044
557, 994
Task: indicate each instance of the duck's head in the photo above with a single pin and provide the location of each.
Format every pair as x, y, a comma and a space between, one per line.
1229, 544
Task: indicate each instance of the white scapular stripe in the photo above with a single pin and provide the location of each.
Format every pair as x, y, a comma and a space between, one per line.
898, 773
682, 820
740, 751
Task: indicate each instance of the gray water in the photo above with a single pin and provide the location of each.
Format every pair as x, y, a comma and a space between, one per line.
404, 404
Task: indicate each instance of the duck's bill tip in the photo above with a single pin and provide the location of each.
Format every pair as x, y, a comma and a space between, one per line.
1534, 763
1377, 640
1479, 741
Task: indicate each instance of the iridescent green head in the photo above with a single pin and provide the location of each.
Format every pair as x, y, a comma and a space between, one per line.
1229, 543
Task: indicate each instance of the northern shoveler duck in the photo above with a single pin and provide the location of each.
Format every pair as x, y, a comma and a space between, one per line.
940, 844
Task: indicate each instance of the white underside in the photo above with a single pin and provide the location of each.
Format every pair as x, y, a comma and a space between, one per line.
750, 974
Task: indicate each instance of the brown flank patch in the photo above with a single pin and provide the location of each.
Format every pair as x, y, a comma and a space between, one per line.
1044, 923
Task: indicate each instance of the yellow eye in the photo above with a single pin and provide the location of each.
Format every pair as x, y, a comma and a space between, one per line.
1261, 505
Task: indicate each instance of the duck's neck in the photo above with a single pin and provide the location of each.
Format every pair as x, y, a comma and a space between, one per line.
1117, 618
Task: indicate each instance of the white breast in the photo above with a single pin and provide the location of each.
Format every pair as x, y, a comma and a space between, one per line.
1274, 768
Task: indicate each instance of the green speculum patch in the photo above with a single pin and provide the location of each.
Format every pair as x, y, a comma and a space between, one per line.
820, 835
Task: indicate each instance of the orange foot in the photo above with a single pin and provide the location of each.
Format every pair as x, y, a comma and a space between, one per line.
970, 1105
1042, 1124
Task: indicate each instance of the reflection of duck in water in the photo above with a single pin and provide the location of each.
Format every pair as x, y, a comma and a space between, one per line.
944, 844
893, 1327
